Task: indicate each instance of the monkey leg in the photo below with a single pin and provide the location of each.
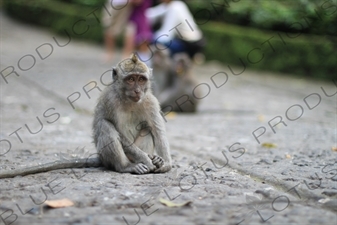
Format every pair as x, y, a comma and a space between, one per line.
163, 169
145, 142
112, 154
153, 142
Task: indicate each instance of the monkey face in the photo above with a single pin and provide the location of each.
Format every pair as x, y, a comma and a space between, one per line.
136, 86
181, 63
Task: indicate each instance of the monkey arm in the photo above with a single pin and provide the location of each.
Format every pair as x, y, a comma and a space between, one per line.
161, 143
130, 148
114, 148
117, 152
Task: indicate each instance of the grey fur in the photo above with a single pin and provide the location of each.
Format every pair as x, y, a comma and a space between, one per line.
128, 133
175, 86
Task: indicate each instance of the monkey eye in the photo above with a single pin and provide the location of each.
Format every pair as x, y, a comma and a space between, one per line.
130, 80
142, 79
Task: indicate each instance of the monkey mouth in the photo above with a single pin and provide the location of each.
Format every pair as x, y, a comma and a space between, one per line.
135, 98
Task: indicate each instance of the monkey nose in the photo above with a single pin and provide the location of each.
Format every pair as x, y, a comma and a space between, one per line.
137, 91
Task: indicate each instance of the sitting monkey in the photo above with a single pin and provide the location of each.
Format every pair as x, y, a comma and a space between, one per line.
175, 85
128, 127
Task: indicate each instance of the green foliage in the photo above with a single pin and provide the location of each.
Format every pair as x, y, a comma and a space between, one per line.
60, 16
307, 16
291, 52
309, 56
85, 2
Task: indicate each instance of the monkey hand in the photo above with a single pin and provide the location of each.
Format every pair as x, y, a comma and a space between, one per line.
157, 161
140, 168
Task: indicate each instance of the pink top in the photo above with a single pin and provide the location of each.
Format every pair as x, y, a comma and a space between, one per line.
143, 28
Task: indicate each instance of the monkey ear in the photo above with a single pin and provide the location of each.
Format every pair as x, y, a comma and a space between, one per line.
114, 74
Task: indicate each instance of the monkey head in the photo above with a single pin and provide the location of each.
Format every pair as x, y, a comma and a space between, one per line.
132, 76
181, 63
161, 59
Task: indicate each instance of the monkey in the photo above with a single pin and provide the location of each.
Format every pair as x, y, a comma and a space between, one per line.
163, 73
177, 92
128, 127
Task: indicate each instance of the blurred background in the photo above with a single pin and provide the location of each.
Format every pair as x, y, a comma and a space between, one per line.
50, 84
296, 37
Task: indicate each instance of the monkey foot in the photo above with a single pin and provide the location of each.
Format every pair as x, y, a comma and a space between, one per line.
163, 169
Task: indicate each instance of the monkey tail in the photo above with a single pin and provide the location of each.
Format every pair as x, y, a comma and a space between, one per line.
60, 164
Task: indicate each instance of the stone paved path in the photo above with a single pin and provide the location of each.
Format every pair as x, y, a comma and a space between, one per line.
285, 174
